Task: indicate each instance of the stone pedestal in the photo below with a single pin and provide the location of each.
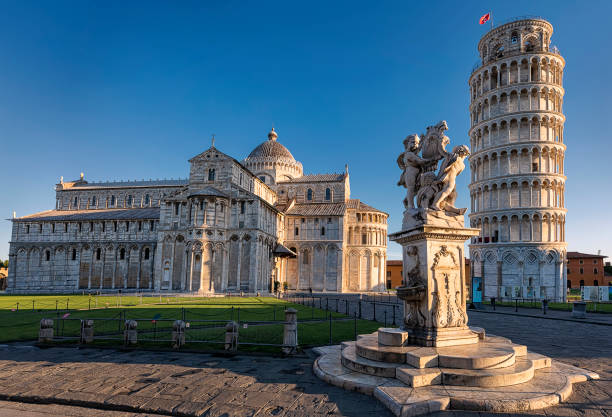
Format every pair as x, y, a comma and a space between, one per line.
130, 334
178, 334
231, 336
87, 331
45, 333
290, 336
434, 290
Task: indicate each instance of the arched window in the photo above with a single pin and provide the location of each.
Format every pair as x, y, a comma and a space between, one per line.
146, 253
327, 194
129, 200
323, 231
94, 201
581, 283
113, 201
309, 194
122, 254
305, 255
76, 202
74, 254
596, 283
514, 38
263, 179
211, 174
147, 200
98, 253
47, 255
569, 284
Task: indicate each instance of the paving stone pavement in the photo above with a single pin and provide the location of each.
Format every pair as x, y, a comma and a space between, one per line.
208, 385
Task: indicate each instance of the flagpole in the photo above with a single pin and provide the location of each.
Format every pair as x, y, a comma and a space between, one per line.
491, 19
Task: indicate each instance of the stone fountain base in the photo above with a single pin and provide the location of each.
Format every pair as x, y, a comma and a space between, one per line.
493, 374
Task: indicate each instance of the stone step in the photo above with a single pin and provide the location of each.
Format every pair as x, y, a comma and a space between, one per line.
476, 356
356, 363
539, 361
368, 347
418, 377
522, 371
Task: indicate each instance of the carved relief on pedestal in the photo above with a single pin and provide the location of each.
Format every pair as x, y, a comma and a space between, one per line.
447, 305
414, 288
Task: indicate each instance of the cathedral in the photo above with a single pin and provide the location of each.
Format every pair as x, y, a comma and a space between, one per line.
252, 226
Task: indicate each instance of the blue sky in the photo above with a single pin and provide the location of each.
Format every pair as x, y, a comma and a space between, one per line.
131, 90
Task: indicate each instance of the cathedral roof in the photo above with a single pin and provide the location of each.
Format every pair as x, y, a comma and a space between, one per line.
270, 149
317, 209
356, 204
209, 191
130, 184
149, 213
317, 178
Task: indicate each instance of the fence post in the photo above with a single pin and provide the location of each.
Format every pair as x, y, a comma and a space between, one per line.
183, 315
238, 315
56, 305
178, 334
67, 301
385, 317
274, 313
393, 314
231, 336
326, 303
17, 305
355, 320
330, 328
130, 334
290, 336
45, 333
359, 308
32, 305
347, 307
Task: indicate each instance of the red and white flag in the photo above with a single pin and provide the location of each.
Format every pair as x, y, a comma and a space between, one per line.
484, 19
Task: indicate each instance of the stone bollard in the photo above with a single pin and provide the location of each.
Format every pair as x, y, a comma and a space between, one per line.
87, 331
290, 337
231, 336
178, 334
45, 333
579, 309
130, 334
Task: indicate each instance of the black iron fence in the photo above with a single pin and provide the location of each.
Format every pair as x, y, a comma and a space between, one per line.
382, 308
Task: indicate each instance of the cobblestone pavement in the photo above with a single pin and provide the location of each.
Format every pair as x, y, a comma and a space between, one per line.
13, 409
202, 384
179, 383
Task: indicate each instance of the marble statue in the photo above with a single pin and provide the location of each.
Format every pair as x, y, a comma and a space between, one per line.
431, 190
432, 239
411, 165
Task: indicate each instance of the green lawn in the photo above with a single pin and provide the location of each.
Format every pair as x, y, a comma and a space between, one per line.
20, 317
592, 307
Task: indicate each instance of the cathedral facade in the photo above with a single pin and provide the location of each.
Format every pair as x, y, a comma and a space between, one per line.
231, 226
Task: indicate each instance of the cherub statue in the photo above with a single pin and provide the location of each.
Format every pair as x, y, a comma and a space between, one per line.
434, 144
451, 167
411, 165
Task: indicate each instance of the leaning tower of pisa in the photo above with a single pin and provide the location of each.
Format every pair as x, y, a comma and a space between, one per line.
517, 180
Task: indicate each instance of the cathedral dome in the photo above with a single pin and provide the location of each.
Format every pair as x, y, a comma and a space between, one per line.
270, 149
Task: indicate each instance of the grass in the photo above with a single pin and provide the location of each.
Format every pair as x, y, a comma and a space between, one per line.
592, 307
260, 319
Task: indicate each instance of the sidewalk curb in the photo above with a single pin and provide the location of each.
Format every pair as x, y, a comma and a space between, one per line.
600, 323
